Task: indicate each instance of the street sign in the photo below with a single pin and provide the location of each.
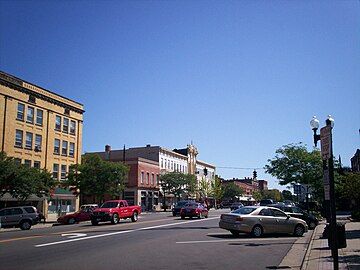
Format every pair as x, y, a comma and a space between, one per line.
325, 138
297, 189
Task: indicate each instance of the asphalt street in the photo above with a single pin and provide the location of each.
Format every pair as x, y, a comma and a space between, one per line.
156, 241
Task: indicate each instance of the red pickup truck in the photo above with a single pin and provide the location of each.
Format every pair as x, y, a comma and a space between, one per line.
114, 211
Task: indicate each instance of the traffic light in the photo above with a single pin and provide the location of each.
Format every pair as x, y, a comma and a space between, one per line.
254, 174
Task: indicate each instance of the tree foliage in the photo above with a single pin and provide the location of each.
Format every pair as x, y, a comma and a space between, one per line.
273, 194
232, 190
97, 177
21, 181
178, 184
349, 188
293, 164
217, 190
287, 195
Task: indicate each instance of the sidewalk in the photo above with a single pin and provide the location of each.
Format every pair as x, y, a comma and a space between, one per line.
318, 256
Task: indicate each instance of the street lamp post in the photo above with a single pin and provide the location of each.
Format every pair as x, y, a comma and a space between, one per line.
329, 186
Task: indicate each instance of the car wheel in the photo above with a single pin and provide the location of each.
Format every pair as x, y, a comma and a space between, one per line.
299, 230
71, 221
207, 215
235, 233
135, 217
115, 219
182, 217
312, 225
25, 225
94, 222
257, 231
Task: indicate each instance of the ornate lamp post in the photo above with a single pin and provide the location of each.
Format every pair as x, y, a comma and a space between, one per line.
328, 171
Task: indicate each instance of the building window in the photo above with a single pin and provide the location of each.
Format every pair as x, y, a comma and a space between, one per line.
19, 138
27, 163
157, 179
38, 141
29, 140
71, 149
56, 171
152, 179
20, 112
64, 149
172, 165
142, 178
30, 115
32, 99
57, 146
72, 127
39, 117
17, 161
147, 178
66, 125
58, 123
63, 172
162, 163
37, 164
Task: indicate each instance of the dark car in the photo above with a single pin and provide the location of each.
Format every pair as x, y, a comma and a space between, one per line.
225, 204
297, 212
176, 209
236, 205
266, 202
194, 209
22, 216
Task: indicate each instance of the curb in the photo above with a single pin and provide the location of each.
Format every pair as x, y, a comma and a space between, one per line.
307, 254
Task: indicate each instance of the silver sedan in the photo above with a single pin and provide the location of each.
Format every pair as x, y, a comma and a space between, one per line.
258, 220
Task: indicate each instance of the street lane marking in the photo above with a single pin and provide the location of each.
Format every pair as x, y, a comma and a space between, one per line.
20, 238
73, 235
234, 240
122, 232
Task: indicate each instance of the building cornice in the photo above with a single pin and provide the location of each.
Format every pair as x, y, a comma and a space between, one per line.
39, 92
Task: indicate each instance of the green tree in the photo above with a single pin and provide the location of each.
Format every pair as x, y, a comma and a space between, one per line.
96, 177
20, 181
257, 195
217, 190
293, 163
349, 188
273, 194
204, 188
287, 195
232, 190
178, 184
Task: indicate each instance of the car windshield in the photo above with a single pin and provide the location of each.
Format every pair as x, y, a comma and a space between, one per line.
181, 203
244, 210
109, 205
192, 205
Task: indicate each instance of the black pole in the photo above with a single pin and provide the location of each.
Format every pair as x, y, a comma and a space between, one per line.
334, 246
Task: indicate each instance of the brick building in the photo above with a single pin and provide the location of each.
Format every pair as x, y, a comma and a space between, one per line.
40, 129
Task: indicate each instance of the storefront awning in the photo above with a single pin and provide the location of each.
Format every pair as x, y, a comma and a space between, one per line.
8, 198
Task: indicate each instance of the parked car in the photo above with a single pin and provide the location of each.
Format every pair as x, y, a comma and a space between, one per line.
180, 204
225, 204
259, 220
266, 202
79, 216
236, 205
22, 216
89, 206
297, 212
114, 211
194, 209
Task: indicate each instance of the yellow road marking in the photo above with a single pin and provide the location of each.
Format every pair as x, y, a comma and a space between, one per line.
20, 238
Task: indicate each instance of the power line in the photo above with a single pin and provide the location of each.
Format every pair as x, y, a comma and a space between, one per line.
240, 168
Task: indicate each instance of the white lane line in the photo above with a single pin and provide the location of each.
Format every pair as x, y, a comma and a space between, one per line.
250, 240
122, 232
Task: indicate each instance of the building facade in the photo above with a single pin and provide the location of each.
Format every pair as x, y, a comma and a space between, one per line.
41, 129
165, 160
355, 161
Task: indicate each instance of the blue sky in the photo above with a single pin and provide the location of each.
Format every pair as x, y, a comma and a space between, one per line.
238, 78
